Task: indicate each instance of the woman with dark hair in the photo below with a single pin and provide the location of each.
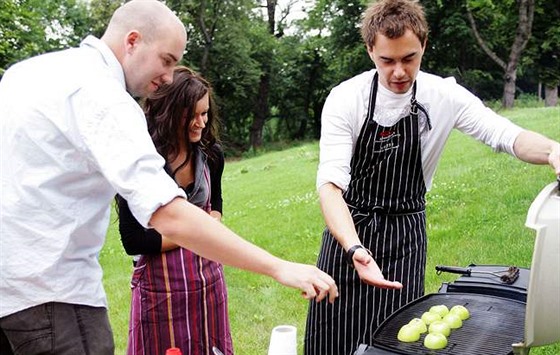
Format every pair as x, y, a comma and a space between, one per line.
179, 299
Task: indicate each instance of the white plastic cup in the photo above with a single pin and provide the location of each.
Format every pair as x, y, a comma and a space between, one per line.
283, 340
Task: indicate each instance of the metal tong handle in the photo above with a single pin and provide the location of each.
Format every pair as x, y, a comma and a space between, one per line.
453, 269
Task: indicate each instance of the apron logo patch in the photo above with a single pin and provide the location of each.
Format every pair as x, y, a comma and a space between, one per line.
386, 134
387, 140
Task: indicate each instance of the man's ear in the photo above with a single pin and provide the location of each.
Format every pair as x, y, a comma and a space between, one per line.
132, 38
424, 45
370, 51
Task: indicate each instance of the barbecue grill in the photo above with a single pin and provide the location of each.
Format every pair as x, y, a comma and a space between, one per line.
509, 314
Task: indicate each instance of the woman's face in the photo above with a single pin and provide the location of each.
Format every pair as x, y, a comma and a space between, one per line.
200, 119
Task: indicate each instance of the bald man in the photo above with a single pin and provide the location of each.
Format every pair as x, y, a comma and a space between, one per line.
73, 136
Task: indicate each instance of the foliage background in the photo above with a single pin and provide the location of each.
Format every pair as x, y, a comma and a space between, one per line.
271, 78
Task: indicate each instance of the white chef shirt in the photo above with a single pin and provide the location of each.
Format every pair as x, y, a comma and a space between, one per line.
71, 137
449, 106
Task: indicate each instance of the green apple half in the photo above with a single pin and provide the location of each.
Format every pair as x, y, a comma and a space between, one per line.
419, 323
429, 317
440, 327
440, 309
435, 341
453, 320
461, 311
408, 333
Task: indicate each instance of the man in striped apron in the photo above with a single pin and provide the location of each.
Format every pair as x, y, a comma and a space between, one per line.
383, 132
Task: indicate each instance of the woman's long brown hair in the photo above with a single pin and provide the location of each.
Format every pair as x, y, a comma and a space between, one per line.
165, 114
165, 108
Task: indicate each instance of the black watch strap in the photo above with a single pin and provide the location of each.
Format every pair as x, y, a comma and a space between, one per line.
352, 250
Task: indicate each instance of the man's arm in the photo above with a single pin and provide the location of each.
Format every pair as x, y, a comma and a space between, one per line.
192, 228
340, 223
532, 147
167, 244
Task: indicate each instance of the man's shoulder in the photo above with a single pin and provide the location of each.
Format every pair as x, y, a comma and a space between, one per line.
60, 68
43, 63
54, 77
433, 81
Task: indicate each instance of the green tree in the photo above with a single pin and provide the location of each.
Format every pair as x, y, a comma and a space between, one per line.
265, 55
99, 14
330, 51
32, 27
500, 20
300, 85
465, 62
235, 74
221, 43
339, 23
271, 77
544, 48
241, 47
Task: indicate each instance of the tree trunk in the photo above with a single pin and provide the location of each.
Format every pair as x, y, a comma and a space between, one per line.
312, 78
208, 42
260, 112
522, 34
317, 110
261, 108
550, 96
271, 13
509, 86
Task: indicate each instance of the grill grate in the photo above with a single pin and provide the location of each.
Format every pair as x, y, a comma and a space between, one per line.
495, 324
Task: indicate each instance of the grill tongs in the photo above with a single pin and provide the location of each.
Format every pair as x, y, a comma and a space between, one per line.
507, 276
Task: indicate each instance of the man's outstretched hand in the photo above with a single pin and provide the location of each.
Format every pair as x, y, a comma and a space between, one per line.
369, 271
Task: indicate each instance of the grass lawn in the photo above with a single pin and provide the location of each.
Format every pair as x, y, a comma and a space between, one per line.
476, 214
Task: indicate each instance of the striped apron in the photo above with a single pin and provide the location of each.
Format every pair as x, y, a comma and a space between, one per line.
386, 198
179, 299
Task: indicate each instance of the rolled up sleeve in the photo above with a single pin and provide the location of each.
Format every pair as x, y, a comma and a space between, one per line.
483, 124
338, 136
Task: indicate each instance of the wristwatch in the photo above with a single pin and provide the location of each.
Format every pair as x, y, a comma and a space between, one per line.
352, 250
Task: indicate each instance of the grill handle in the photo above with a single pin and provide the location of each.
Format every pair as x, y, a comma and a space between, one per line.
453, 270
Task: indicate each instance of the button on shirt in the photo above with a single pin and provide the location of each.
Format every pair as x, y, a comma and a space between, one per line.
448, 105
71, 137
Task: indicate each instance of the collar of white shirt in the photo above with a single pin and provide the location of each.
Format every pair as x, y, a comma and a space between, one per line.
108, 57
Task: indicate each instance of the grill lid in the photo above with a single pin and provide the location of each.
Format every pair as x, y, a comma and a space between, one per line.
542, 317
